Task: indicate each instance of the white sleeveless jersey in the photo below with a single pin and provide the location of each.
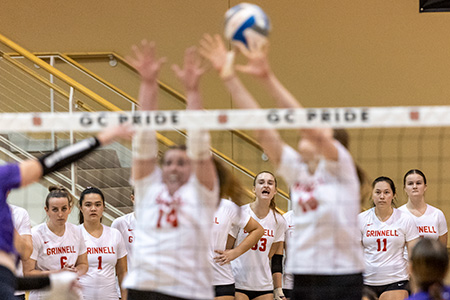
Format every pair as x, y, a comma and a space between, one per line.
227, 215
383, 246
52, 252
173, 238
126, 225
21, 221
325, 240
288, 278
252, 270
100, 281
431, 224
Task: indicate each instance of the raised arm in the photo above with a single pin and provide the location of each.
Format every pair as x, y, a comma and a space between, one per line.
213, 49
258, 66
145, 147
198, 141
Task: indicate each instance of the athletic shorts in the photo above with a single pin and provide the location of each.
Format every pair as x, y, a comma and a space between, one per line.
380, 289
330, 287
224, 290
148, 295
254, 294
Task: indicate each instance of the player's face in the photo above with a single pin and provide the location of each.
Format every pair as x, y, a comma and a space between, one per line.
265, 188
58, 211
92, 207
176, 168
382, 194
415, 186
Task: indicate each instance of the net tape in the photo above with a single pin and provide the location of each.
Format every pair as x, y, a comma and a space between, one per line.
346, 117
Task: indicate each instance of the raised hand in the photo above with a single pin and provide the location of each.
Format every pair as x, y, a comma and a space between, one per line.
214, 50
256, 54
192, 70
145, 61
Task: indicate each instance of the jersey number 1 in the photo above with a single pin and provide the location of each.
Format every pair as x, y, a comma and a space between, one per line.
379, 241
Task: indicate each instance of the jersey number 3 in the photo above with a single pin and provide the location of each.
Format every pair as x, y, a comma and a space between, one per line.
263, 245
382, 243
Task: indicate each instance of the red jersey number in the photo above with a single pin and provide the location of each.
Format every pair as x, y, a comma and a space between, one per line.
171, 218
262, 243
382, 243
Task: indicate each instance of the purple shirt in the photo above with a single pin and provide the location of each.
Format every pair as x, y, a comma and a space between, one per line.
9, 179
425, 296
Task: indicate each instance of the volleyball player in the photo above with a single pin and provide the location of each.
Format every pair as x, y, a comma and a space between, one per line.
22, 239
227, 215
288, 278
174, 204
255, 278
430, 220
13, 176
324, 255
106, 251
429, 266
126, 225
385, 231
57, 244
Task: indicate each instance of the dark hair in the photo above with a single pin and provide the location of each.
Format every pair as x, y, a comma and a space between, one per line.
389, 181
342, 136
414, 171
229, 185
58, 192
272, 205
88, 190
173, 147
429, 261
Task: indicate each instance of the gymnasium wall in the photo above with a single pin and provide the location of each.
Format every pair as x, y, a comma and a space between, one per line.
327, 53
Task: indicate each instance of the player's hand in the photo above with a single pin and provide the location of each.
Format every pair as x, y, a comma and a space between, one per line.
214, 50
278, 294
192, 70
113, 133
144, 60
70, 268
64, 286
256, 54
225, 256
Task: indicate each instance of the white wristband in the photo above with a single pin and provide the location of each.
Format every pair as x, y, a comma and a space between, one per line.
198, 143
144, 144
228, 69
278, 294
61, 285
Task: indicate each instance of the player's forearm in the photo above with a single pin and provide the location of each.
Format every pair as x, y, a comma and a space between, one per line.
283, 98
148, 94
240, 95
23, 245
82, 268
194, 100
277, 280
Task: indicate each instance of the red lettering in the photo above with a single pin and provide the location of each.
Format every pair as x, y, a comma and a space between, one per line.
130, 239
215, 220
63, 261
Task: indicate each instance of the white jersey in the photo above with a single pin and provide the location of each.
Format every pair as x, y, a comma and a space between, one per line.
22, 224
325, 240
126, 225
52, 252
252, 270
227, 215
173, 236
288, 278
431, 224
103, 252
383, 246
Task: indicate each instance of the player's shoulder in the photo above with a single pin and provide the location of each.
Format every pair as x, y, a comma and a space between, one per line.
366, 213
433, 210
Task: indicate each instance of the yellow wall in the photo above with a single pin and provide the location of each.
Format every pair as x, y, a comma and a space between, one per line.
328, 53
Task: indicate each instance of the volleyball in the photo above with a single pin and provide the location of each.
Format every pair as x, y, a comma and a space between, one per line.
245, 17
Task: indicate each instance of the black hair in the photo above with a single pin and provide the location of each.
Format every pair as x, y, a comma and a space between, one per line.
391, 184
88, 190
414, 171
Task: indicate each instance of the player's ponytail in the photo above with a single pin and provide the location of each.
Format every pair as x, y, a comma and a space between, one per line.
56, 191
229, 186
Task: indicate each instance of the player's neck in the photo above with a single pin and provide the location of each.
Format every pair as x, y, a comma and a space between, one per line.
93, 228
383, 214
59, 230
417, 204
259, 209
